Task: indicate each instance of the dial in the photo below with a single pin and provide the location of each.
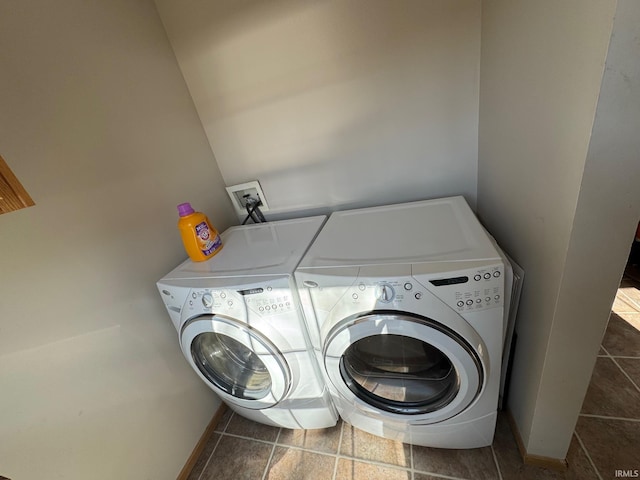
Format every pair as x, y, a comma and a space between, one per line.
386, 293
207, 300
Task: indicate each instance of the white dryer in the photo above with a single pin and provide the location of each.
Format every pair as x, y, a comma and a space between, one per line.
240, 327
405, 310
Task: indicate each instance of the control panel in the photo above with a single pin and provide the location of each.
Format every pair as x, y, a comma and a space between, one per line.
263, 301
268, 300
474, 291
468, 292
385, 292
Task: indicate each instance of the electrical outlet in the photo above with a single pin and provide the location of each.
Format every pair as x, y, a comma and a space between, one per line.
238, 194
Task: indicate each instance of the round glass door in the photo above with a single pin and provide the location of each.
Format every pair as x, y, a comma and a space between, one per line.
237, 361
231, 366
405, 364
399, 374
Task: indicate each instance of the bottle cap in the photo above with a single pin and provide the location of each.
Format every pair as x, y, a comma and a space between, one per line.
185, 209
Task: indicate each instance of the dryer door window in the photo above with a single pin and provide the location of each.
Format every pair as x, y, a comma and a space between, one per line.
399, 374
237, 361
404, 364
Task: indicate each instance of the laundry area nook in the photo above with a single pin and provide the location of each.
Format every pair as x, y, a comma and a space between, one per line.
319, 240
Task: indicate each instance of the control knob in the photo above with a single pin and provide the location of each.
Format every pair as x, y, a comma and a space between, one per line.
386, 293
207, 300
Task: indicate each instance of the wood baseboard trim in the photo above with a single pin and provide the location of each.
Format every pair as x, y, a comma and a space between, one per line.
530, 459
204, 438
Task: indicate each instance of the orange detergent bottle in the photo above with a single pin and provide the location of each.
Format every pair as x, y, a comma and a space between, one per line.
200, 239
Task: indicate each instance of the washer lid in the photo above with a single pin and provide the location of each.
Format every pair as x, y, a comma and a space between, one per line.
427, 231
273, 248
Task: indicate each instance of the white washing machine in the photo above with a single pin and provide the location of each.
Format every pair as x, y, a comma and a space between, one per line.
240, 327
405, 310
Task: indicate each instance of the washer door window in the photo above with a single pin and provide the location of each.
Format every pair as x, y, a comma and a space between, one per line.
403, 364
242, 364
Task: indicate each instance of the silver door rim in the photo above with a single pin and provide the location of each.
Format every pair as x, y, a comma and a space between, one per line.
466, 360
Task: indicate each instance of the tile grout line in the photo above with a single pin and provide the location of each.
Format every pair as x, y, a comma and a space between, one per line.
413, 470
626, 374
495, 459
273, 449
441, 475
335, 464
630, 300
602, 417
221, 433
204, 467
586, 452
337, 456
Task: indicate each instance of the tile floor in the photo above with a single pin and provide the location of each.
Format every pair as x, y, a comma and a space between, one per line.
609, 424
607, 436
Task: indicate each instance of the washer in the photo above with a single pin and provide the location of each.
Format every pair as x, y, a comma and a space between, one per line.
240, 327
405, 311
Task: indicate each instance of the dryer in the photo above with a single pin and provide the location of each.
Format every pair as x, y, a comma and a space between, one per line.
405, 305
240, 327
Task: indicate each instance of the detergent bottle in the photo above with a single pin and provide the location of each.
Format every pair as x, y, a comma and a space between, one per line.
200, 239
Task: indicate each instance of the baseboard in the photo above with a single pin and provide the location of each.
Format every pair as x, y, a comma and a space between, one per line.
535, 460
204, 438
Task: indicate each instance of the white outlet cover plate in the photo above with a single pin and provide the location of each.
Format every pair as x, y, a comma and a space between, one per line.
246, 187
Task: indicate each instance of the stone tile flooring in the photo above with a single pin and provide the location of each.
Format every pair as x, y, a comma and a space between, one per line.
609, 424
607, 436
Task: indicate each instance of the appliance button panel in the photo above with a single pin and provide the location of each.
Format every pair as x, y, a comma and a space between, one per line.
263, 302
269, 303
484, 292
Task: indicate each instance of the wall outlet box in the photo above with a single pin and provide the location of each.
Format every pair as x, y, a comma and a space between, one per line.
242, 192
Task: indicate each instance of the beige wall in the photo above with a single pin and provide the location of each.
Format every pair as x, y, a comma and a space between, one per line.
97, 123
556, 190
333, 104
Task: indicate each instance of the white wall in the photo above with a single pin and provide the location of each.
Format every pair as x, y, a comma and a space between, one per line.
556, 189
97, 123
333, 104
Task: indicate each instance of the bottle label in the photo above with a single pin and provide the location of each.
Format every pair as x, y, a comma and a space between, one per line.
208, 245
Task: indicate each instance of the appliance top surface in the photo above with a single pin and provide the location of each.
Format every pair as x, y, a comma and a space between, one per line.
265, 249
439, 230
